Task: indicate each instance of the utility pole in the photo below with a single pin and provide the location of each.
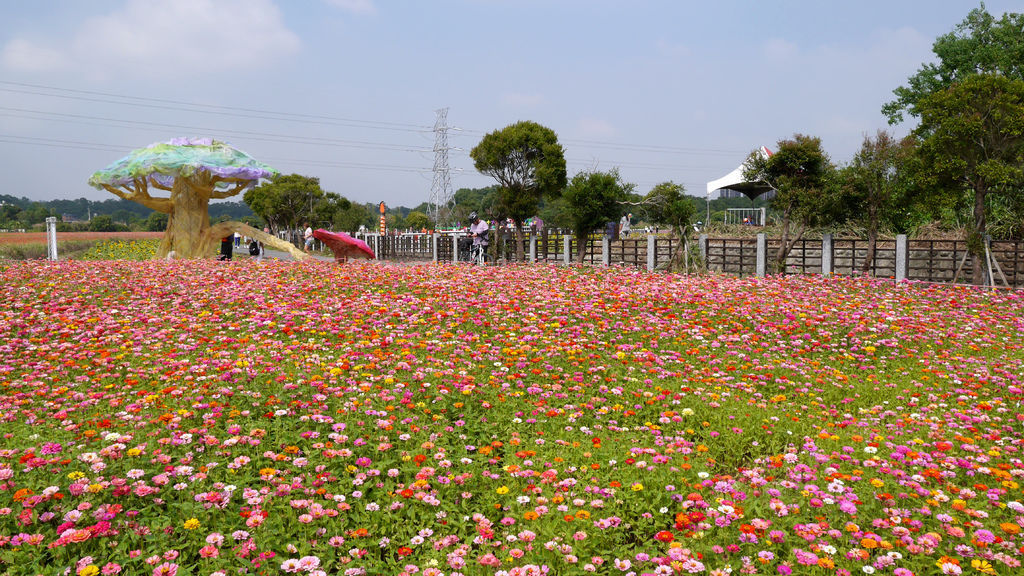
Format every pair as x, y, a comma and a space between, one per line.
441, 187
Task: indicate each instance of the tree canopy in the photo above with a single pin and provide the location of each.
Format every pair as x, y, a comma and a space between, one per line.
528, 163
591, 199
973, 142
800, 172
980, 44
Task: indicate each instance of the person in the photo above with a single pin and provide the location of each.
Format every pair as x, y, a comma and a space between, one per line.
624, 224
226, 247
238, 240
538, 225
478, 231
308, 235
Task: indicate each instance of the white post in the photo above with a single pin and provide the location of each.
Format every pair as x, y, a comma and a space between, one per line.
533, 247
901, 257
433, 244
566, 246
606, 251
762, 254
651, 253
51, 238
826, 254
455, 248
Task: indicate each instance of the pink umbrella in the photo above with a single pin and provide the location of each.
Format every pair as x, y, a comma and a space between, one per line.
343, 245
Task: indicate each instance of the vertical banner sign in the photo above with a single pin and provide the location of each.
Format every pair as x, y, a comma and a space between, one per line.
383, 225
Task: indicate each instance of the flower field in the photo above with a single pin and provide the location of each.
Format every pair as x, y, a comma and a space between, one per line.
214, 418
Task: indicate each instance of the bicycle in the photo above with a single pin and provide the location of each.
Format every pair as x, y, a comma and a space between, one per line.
478, 254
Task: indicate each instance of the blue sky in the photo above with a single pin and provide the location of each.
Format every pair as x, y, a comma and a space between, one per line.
346, 90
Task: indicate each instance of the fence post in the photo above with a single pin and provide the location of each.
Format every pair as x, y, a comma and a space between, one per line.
652, 253
826, 254
606, 251
433, 241
762, 253
566, 246
901, 257
455, 248
533, 247
702, 240
51, 237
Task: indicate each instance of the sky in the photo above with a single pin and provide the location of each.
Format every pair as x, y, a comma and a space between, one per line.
348, 90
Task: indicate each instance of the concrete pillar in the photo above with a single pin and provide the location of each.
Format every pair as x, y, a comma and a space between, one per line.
652, 253
533, 248
901, 257
702, 241
51, 238
762, 255
433, 245
455, 248
826, 254
566, 247
606, 251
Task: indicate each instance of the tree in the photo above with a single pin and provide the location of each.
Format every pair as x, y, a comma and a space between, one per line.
285, 202
800, 172
875, 185
156, 222
667, 205
417, 220
973, 141
194, 172
978, 45
591, 199
528, 163
102, 223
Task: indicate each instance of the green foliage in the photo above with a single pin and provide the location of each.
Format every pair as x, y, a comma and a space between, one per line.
287, 201
156, 222
978, 45
102, 223
591, 199
668, 205
803, 178
973, 142
417, 220
528, 163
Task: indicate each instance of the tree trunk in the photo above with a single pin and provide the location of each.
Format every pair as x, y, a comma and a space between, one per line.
869, 258
976, 239
520, 255
581, 248
779, 262
188, 221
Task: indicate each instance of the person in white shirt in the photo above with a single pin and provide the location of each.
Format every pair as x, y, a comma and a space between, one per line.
308, 235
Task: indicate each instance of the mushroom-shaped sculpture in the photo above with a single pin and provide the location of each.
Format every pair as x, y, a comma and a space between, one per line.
194, 171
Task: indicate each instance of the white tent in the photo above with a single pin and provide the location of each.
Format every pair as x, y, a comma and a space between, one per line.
735, 181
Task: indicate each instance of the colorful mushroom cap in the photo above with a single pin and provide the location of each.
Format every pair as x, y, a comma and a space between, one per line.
165, 161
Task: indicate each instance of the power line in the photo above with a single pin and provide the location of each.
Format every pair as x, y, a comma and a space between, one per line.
161, 104
262, 136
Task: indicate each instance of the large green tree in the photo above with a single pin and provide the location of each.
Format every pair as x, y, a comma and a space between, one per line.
801, 174
973, 141
877, 186
285, 202
528, 163
590, 200
980, 44
668, 205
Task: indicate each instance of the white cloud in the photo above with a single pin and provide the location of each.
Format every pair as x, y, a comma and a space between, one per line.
595, 128
520, 100
779, 49
355, 6
170, 39
26, 56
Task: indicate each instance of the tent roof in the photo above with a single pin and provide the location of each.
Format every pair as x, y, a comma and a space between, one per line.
735, 181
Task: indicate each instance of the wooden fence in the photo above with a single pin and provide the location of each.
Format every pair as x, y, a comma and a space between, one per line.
901, 258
